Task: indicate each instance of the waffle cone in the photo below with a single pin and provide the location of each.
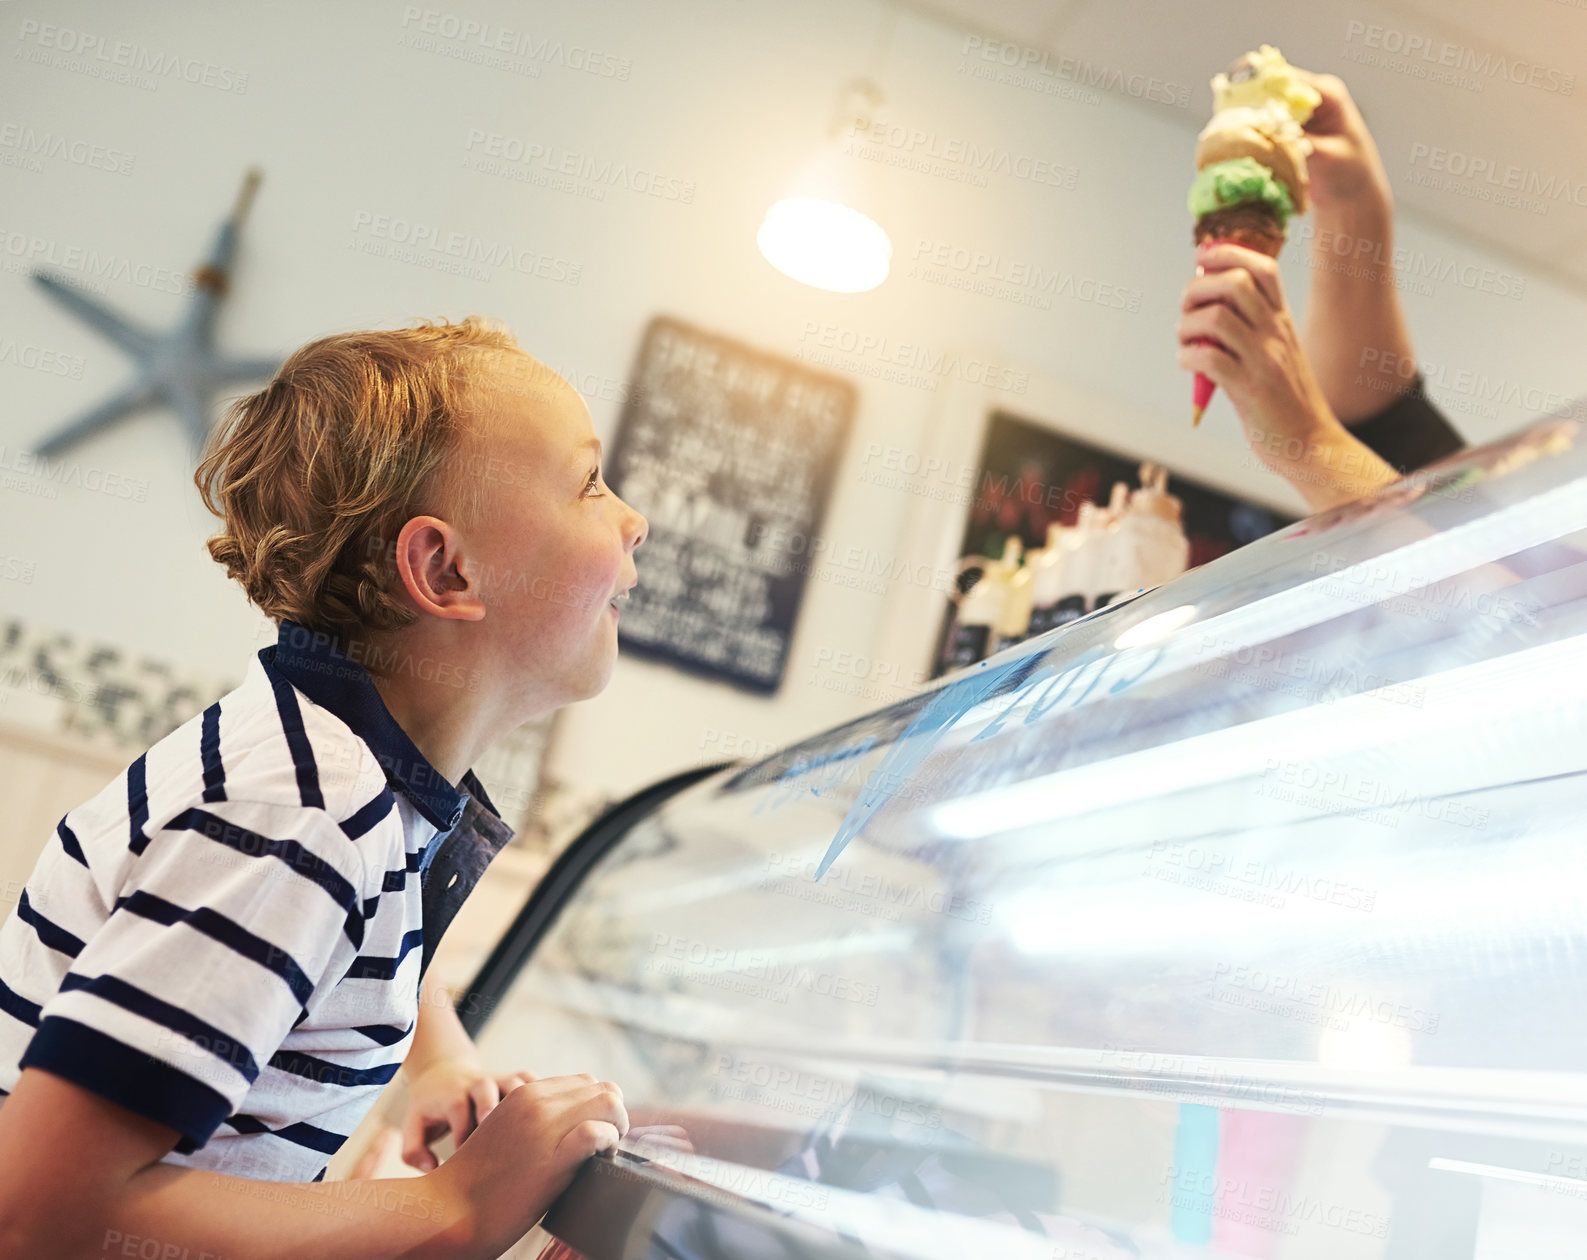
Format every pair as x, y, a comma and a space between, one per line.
1252, 224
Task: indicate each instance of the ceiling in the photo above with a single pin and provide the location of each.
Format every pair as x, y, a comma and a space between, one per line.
1416, 119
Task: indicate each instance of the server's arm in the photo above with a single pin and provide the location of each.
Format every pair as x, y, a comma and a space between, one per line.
1354, 321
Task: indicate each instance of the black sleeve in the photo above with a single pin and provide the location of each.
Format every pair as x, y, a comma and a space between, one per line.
1410, 432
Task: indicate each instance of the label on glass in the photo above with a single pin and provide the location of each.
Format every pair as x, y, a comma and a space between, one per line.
1054, 615
968, 645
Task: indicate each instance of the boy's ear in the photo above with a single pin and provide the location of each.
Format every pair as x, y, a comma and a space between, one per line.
436, 574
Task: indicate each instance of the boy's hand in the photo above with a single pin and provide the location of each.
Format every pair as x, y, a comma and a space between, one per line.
450, 1095
525, 1152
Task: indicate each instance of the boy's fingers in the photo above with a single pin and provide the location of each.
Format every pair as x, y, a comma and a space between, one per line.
458, 1120
586, 1138
568, 1089
550, 1086
414, 1150
605, 1104
485, 1096
558, 1095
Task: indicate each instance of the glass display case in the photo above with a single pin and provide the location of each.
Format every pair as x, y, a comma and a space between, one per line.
1244, 917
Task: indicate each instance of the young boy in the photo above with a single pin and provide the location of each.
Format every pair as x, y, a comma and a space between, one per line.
216, 964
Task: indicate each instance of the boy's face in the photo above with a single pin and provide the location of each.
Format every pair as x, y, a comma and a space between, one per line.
553, 545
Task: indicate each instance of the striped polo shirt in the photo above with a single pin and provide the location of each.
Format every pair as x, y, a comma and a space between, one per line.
228, 938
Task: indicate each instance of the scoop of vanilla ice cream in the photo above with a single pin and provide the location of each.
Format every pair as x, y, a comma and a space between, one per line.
1270, 118
1264, 75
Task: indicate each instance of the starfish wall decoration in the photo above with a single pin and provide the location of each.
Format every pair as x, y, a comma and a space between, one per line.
178, 368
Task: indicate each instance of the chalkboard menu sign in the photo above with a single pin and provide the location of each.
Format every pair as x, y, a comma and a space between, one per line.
730, 453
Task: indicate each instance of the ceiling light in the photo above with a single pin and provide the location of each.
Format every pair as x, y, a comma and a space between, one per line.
819, 233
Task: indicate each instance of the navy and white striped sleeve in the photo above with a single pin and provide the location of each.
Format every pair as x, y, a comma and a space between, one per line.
232, 914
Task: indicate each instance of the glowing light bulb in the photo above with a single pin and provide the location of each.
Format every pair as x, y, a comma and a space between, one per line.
825, 244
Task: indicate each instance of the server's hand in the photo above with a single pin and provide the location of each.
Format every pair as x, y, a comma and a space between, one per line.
525, 1152
1235, 327
451, 1095
1345, 167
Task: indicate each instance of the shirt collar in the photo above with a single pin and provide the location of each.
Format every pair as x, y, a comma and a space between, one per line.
335, 681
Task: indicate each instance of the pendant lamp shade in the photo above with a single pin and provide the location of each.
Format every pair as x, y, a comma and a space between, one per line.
820, 233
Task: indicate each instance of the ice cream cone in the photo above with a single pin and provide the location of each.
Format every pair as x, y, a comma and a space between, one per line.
1251, 224
1250, 165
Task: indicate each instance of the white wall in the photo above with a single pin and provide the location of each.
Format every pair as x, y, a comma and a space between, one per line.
730, 94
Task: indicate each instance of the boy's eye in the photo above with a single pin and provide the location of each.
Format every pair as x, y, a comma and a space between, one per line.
594, 477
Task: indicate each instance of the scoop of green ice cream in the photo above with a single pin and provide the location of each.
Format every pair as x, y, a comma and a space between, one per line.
1237, 181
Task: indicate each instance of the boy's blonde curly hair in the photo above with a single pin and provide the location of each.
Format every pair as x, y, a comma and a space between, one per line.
315, 475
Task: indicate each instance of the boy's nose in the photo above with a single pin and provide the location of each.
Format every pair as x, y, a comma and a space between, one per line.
640, 533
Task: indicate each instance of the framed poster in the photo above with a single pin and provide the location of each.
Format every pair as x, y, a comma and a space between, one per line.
730, 452
942, 478
1033, 476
